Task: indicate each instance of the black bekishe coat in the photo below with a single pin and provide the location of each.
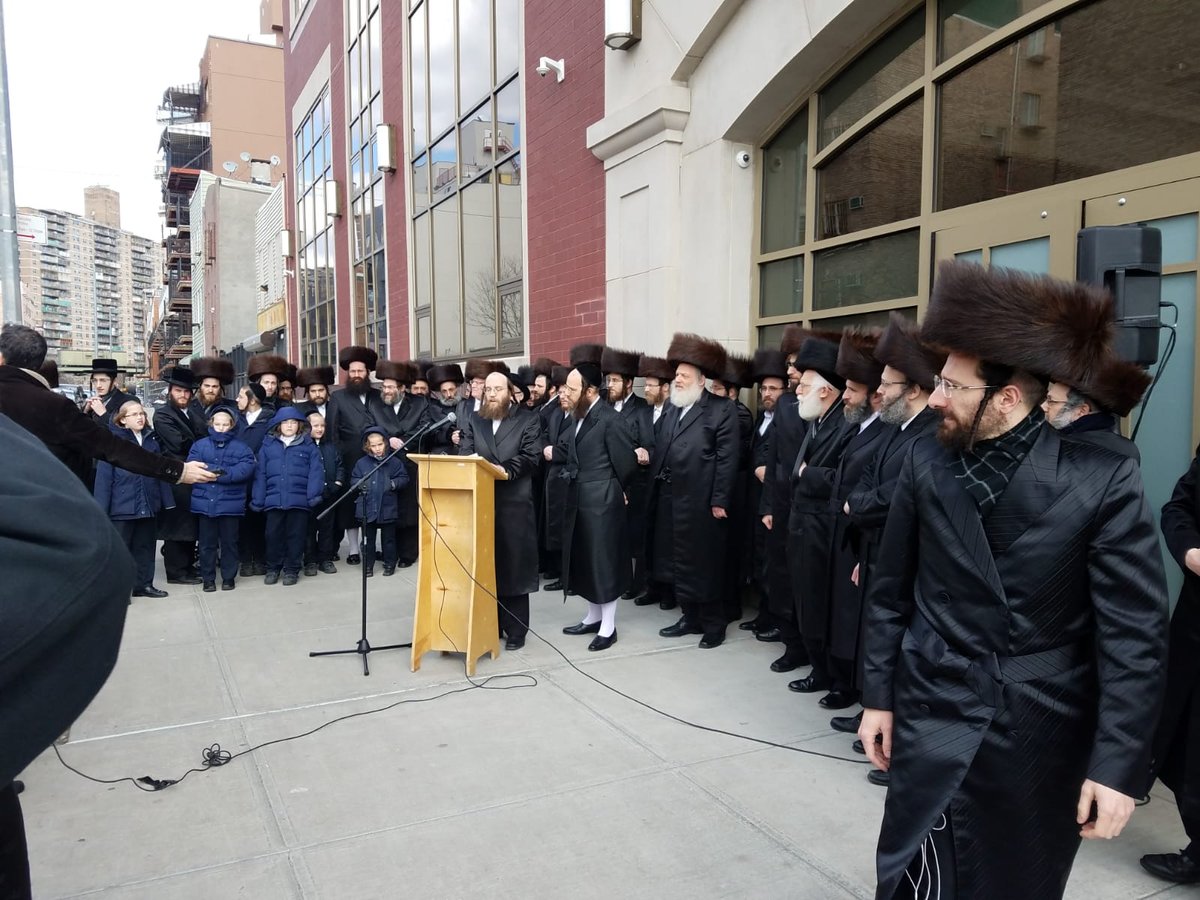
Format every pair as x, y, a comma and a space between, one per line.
600, 467
517, 448
693, 470
1020, 654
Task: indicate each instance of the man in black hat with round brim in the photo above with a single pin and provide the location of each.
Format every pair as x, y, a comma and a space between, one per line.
353, 413
178, 424
108, 398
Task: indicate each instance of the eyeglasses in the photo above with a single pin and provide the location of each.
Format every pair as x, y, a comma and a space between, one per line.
900, 383
949, 388
495, 390
1050, 402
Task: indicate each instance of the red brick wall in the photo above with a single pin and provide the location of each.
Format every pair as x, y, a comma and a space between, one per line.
566, 278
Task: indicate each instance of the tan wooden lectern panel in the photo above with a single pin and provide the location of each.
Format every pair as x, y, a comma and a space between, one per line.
456, 576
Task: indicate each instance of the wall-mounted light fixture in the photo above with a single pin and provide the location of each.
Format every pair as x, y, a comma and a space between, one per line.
333, 198
622, 23
385, 148
285, 244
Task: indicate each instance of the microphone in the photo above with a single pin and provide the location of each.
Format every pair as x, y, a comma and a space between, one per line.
449, 417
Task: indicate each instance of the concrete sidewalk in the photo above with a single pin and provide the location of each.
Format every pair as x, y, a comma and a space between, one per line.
562, 789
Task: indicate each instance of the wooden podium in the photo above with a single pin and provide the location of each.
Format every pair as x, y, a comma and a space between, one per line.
456, 575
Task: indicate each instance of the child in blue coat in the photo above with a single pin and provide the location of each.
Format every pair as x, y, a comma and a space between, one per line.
378, 503
220, 505
288, 482
133, 501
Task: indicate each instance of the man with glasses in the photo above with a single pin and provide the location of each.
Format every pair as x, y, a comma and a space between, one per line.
1016, 622
1090, 411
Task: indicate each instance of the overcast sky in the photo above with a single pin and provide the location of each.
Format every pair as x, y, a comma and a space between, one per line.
85, 78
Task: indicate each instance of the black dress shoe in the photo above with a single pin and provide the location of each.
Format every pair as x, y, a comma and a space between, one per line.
389, 570
515, 643
555, 585
150, 591
808, 685
187, 579
1177, 867
715, 639
879, 777
858, 747
405, 563
679, 629
645, 600
353, 559
839, 700
785, 663
328, 568
603, 643
582, 628
571, 593
210, 587
846, 724
227, 585
769, 636
635, 596
667, 604
752, 625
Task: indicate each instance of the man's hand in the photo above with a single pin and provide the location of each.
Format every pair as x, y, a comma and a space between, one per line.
455, 437
395, 443
761, 473
96, 405
1113, 810
877, 723
501, 472
196, 472
854, 575
548, 453
1192, 560
643, 456
719, 512
768, 521
846, 507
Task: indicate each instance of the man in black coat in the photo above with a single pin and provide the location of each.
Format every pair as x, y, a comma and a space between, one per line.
508, 436
178, 424
108, 398
1017, 618
213, 375
353, 412
810, 522
729, 384
62, 612
656, 374
316, 382
620, 368
599, 468
1089, 411
554, 417
693, 471
1177, 740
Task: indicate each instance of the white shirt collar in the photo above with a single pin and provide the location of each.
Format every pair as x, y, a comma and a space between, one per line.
910, 421
867, 421
252, 417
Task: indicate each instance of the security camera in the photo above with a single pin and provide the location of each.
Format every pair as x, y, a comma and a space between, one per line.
546, 65
743, 159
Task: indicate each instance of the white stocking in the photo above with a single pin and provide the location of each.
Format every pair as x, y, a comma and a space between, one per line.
608, 618
593, 614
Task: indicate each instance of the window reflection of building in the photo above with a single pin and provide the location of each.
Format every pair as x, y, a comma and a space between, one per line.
465, 171
314, 237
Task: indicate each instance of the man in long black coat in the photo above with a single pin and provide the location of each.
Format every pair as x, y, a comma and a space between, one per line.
1017, 618
599, 467
353, 412
693, 472
736, 376
178, 425
213, 375
1090, 410
619, 368
508, 436
109, 398
770, 373
554, 417
1177, 740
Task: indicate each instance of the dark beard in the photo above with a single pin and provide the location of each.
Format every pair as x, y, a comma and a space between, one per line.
856, 415
961, 440
357, 386
493, 412
580, 408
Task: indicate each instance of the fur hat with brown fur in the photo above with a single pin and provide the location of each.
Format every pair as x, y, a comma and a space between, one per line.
856, 357
290, 374
821, 356
439, 375
1055, 329
900, 347
558, 375
266, 364
423, 367
706, 355
357, 353
620, 362
316, 375
655, 367
212, 367
1116, 385
769, 363
400, 372
738, 371
586, 353
544, 366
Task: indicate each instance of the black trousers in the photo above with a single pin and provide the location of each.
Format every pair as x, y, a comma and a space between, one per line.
513, 614
322, 541
709, 616
178, 557
218, 534
252, 537
140, 536
408, 542
286, 531
818, 656
14, 852
841, 673
1192, 827
387, 530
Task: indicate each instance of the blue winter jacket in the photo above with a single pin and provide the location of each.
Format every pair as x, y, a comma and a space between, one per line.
378, 501
124, 495
227, 495
287, 477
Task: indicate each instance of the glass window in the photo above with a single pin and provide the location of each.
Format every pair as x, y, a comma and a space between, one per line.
781, 287
314, 261
512, 245
420, 183
423, 287
1111, 92
962, 23
508, 42
508, 119
447, 296
479, 265
874, 181
784, 185
877, 319
420, 128
892, 64
474, 52
441, 65
882, 268
375, 51
444, 167
477, 142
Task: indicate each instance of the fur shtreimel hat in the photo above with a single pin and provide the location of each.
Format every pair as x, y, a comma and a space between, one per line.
901, 348
439, 375
707, 356
482, 368
49, 370
525, 376
795, 335
266, 364
1055, 329
586, 353
399, 372
1116, 385
655, 367
558, 375
821, 356
856, 357
739, 371
212, 367
423, 367
316, 375
357, 353
544, 366
620, 362
290, 374
769, 363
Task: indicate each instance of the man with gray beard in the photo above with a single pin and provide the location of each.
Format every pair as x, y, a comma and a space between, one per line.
1089, 411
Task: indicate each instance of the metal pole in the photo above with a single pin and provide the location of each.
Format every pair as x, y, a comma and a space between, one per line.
10, 260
